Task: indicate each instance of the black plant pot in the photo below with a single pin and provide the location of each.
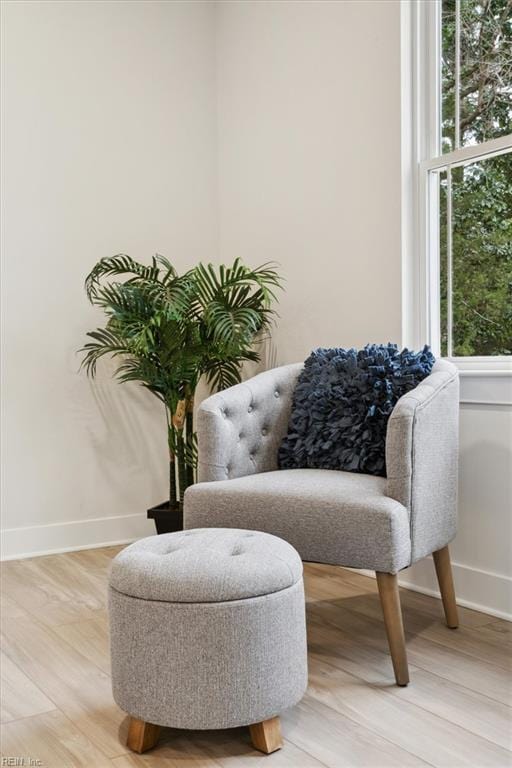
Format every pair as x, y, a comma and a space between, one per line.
168, 518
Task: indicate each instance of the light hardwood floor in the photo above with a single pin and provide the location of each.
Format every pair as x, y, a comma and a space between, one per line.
57, 705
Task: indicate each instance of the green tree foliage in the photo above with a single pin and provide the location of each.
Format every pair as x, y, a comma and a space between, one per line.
481, 191
169, 330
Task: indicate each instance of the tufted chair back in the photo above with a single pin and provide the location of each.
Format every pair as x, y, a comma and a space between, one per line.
244, 435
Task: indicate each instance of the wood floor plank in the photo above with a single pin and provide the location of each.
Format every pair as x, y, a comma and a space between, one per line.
410, 599
19, 696
156, 760
233, 749
11, 609
45, 597
340, 647
90, 638
414, 729
98, 559
501, 626
456, 704
497, 632
78, 583
469, 639
473, 641
340, 741
451, 664
321, 587
461, 706
51, 739
95, 563
461, 669
77, 687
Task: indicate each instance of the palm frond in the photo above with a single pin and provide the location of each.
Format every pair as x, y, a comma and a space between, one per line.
206, 282
223, 374
121, 264
264, 276
105, 343
229, 324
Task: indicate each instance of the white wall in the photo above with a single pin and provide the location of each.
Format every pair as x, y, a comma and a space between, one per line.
309, 162
109, 146
482, 550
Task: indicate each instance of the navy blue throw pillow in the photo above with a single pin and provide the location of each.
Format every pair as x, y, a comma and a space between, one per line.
341, 405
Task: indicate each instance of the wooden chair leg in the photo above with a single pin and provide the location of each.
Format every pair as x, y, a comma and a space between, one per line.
445, 579
141, 735
266, 736
390, 601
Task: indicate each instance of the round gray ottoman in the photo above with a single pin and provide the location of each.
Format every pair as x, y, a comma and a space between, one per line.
207, 631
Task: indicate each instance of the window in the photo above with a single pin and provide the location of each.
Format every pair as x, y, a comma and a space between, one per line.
466, 176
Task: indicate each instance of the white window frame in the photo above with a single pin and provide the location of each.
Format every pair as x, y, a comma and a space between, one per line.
421, 154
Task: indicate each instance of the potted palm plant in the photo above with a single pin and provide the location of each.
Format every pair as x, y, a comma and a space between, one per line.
168, 331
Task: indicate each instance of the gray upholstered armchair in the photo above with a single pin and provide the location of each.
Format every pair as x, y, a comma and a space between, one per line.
341, 518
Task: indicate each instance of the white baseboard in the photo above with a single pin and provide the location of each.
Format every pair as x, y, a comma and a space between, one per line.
476, 589
37, 540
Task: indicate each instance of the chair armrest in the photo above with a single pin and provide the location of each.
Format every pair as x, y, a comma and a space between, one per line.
240, 429
422, 458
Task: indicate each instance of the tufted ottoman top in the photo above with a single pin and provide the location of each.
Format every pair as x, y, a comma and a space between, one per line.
206, 565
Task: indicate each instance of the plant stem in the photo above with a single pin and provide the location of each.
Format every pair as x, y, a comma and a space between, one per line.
182, 478
172, 481
178, 424
190, 434
172, 457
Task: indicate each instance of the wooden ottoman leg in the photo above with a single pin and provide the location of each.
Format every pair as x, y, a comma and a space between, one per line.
266, 736
141, 735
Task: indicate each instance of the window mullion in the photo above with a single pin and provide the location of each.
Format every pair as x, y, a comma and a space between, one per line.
449, 263
457, 75
465, 155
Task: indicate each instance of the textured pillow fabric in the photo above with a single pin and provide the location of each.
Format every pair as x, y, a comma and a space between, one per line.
342, 403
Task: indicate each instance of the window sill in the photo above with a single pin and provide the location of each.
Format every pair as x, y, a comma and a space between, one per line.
492, 367
485, 381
